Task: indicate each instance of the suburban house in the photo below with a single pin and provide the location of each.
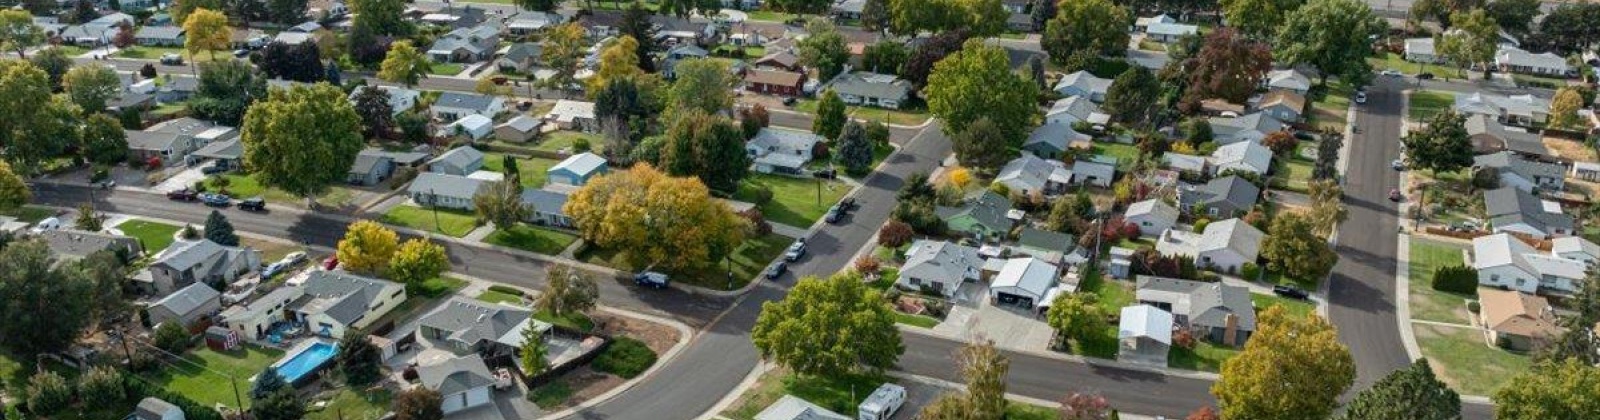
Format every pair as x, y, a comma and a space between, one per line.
186, 306
577, 170
1071, 109
1489, 136
463, 382
939, 266
453, 105
1512, 210
173, 140
847, 9
1219, 106
251, 38
1030, 174
449, 16
1289, 80
679, 53
400, 99
1144, 335
72, 244
1046, 245
373, 166
784, 151
227, 153
472, 127
466, 325
1186, 163
462, 161
188, 262
293, 38
1519, 321
528, 22
780, 60
1098, 171
1516, 60
1169, 32
152, 408
1575, 248
519, 57
1141, 23
1152, 216
1084, 84
466, 45
1503, 260
573, 115
159, 36
1522, 110
774, 82
253, 320
1023, 282
1588, 171
1224, 197
791, 407
335, 301
1213, 311
1054, 139
1283, 105
545, 207
520, 129
1247, 156
1225, 245
871, 89
1421, 50
983, 215
1521, 173
444, 190
1250, 127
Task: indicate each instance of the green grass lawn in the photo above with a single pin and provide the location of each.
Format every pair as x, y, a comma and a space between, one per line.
1205, 356
1465, 361
451, 222
794, 200
1112, 297
557, 141
888, 116
769, 15
1330, 105
72, 50
153, 53
840, 395
533, 171
1020, 411
169, 109
1294, 173
204, 385
444, 69
1397, 62
493, 296
1425, 103
1297, 308
574, 321
748, 260
551, 395
1429, 304
154, 236
532, 238
1126, 154
1528, 80
30, 214
438, 287
246, 186
915, 320
352, 404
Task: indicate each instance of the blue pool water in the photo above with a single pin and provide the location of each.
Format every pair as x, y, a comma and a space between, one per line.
298, 365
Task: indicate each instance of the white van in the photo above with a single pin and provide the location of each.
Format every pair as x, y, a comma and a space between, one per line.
47, 224
883, 403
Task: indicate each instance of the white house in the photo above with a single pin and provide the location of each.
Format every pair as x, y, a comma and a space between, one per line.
452, 106
1023, 282
573, 115
1071, 109
1153, 216
400, 99
463, 381
1028, 174
1522, 173
1225, 245
1502, 260
777, 150
1420, 50
1523, 110
576, 170
1140, 23
1245, 156
334, 301
472, 126
444, 190
1098, 171
1082, 83
1169, 32
939, 266
1288, 79
1144, 335
152, 408
871, 89
1516, 60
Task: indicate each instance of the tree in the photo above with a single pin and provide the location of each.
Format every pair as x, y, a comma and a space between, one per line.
1410, 393
1292, 367
563, 50
684, 8
878, 133
219, 230
830, 115
1551, 390
1257, 19
500, 203
614, 212
1515, 16
23, 88
1133, 97
266, 383
929, 52
875, 15
1441, 146
636, 23
982, 146
385, 17
48, 393
1042, 12
377, 115
534, 352
419, 403
985, 370
292, 137
1472, 41
885, 57
1442, 10
417, 261
300, 62
1282, 143
286, 12
1564, 108
1091, 25
55, 127
18, 33
181, 9
104, 142
977, 83
894, 234
206, 30
55, 63
1084, 406
367, 247
1327, 209
854, 150
1228, 66
14, 192
824, 49
101, 387
1073, 316
618, 60
948, 406
1293, 247
91, 86
227, 88
707, 147
1335, 36
172, 337
404, 65
45, 308
701, 84
359, 360
282, 404
859, 325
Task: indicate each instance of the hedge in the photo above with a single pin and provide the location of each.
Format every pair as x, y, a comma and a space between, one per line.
1456, 279
506, 289
626, 357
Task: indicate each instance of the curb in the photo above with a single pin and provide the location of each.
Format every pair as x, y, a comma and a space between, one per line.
1009, 396
684, 332
1189, 374
1402, 296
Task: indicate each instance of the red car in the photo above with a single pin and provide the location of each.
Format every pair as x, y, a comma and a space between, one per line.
330, 263
183, 195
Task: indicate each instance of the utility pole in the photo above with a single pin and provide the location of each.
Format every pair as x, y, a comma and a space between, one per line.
433, 203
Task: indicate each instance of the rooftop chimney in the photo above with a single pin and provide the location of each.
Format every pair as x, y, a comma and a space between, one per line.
1230, 332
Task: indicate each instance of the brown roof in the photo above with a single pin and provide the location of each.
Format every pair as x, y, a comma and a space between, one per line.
783, 59
1292, 100
1219, 105
774, 77
1517, 313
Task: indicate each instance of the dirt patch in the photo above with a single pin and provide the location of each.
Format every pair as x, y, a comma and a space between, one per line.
658, 337
1570, 149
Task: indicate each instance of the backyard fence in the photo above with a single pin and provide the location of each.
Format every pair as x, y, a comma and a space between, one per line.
553, 372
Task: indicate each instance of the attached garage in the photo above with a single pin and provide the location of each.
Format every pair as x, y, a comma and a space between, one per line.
464, 382
1023, 282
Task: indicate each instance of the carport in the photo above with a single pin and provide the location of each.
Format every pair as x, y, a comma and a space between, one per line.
1023, 282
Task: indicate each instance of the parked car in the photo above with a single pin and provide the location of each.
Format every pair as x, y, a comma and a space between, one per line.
776, 269
273, 269
294, 258
790, 101
241, 53
835, 214
49, 223
1394, 194
330, 263
827, 173
1290, 292
171, 59
213, 169
1425, 76
795, 251
253, 204
1390, 73
183, 195
1361, 97
216, 200
651, 279
1398, 165
848, 204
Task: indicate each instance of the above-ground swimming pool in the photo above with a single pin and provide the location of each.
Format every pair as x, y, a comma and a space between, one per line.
304, 360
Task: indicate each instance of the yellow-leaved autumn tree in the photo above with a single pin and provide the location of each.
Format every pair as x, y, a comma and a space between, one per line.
367, 247
671, 223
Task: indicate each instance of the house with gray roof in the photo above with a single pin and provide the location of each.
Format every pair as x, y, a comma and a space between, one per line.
847, 9
1512, 210
1054, 139
466, 45
1070, 110
400, 99
871, 89
1229, 196
227, 153
72, 244
1288, 80
1170, 32
1144, 335
1030, 174
545, 207
573, 115
1098, 171
463, 382
520, 128
528, 22
466, 325
779, 150
939, 266
444, 190
577, 170
1421, 50
1517, 60
1520, 110
462, 161
1046, 245
1522, 173
791, 407
1085, 84
186, 306
335, 301
159, 36
519, 57
1489, 136
1215, 312
1186, 163
453, 105
369, 169
681, 52
1153, 216
188, 262
982, 215
1245, 156
1224, 245
1505, 261
1249, 127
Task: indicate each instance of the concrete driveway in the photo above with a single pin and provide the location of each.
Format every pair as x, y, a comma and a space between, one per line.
184, 178
1009, 326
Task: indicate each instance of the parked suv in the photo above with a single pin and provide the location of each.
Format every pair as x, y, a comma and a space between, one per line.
651, 279
1290, 292
795, 251
253, 204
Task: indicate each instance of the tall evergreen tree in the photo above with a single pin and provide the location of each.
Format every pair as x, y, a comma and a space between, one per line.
359, 360
855, 152
219, 230
636, 23
1410, 393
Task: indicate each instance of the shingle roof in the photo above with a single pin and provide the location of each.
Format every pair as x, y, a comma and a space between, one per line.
941, 260
185, 254
159, 32
460, 157
1204, 303
1058, 136
781, 58
521, 123
1516, 141
1029, 274
226, 149
544, 201
1152, 207
1078, 107
1232, 189
1031, 173
446, 185
871, 85
1508, 205
774, 77
456, 375
1243, 155
987, 208
1517, 313
1083, 81
1046, 240
469, 321
1294, 101
342, 296
79, 244
1506, 162
146, 140
793, 408
582, 164
524, 50
465, 100
1145, 321
189, 298
366, 163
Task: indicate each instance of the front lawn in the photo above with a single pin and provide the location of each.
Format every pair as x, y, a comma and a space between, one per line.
1425, 103
1397, 62
141, 52
1205, 356
550, 395
1464, 360
1330, 105
770, 16
795, 201
1426, 303
1296, 308
451, 222
493, 296
575, 321
559, 141
197, 377
30, 214
748, 260
1126, 154
438, 287
840, 395
351, 404
532, 171
911, 116
532, 239
444, 69
1294, 174
922, 321
240, 185
154, 236
1112, 297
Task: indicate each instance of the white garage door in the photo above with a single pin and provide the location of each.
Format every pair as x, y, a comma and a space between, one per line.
454, 403
477, 396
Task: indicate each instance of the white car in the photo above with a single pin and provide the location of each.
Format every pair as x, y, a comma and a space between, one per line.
1361, 97
46, 224
293, 258
1390, 73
